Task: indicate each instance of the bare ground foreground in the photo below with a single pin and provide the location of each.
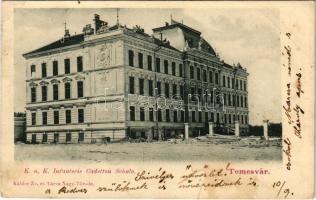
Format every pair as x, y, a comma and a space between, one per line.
156, 151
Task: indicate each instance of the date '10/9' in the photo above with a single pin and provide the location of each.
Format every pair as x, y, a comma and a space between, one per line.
282, 190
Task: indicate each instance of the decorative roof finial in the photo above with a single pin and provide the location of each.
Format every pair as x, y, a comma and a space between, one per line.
67, 34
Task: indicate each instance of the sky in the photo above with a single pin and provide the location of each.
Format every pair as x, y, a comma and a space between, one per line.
248, 36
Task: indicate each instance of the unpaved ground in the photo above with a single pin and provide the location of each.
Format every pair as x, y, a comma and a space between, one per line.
146, 152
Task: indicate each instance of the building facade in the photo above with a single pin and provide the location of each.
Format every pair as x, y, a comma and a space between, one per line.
115, 82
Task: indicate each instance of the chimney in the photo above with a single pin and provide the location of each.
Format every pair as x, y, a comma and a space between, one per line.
67, 34
98, 23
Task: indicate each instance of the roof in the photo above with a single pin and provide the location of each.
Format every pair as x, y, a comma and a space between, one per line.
176, 24
64, 42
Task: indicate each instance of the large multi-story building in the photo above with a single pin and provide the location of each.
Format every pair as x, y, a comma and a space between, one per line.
113, 82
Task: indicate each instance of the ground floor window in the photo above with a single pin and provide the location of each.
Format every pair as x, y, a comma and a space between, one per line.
68, 137
44, 140
81, 137
56, 137
33, 138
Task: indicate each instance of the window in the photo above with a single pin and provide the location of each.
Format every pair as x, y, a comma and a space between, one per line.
200, 116
191, 72
233, 83
182, 92
246, 103
245, 88
210, 74
140, 60
206, 116
159, 87
33, 119
131, 58
167, 115
159, 115
193, 116
67, 66
81, 137
55, 92
56, 117
241, 101
56, 137
224, 81
33, 70
44, 93
33, 94
212, 96
236, 84
217, 117
200, 93
44, 118
228, 82
234, 100
142, 113
173, 68
175, 116
79, 64
174, 90
80, 116
132, 113
198, 74
225, 102
238, 101
157, 64
68, 137
212, 117
150, 88
229, 100
131, 85
225, 118
246, 119
180, 70
141, 86
166, 66
182, 115
67, 90
55, 68
68, 116
149, 63
167, 90
80, 89
240, 83
192, 93
204, 75
151, 114
44, 139
216, 78
44, 70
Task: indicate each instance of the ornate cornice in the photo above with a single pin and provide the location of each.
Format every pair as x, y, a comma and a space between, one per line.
67, 80
43, 83
32, 84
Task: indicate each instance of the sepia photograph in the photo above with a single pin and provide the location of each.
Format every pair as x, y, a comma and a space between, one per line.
164, 84
173, 99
